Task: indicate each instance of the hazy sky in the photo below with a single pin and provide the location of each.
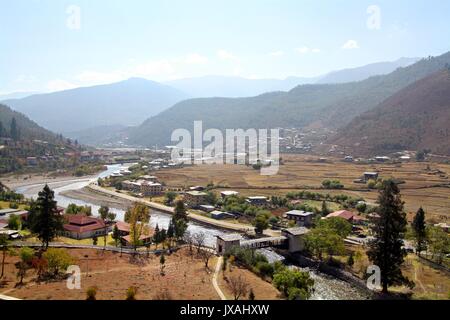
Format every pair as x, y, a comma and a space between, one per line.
49, 45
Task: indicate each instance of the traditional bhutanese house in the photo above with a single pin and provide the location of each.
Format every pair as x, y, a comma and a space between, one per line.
227, 241
295, 238
207, 208
228, 193
149, 188
302, 218
370, 176
218, 215
195, 198
257, 200
3, 225
444, 226
123, 227
79, 226
347, 215
145, 239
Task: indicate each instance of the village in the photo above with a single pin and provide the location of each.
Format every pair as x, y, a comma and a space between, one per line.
287, 215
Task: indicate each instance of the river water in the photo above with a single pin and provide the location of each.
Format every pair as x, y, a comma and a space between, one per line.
326, 288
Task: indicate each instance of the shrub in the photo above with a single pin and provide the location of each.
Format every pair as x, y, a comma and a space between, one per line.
57, 259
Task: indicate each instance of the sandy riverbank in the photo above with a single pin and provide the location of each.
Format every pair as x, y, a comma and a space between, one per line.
16, 181
97, 198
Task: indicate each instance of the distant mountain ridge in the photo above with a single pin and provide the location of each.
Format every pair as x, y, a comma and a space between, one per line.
238, 87
127, 102
415, 118
364, 72
331, 105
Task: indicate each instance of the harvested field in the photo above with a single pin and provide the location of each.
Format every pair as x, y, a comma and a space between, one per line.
425, 183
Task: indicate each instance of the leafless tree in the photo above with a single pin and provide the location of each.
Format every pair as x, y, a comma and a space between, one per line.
199, 241
206, 255
238, 286
163, 295
189, 240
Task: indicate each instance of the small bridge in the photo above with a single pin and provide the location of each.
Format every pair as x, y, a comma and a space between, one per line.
291, 239
264, 242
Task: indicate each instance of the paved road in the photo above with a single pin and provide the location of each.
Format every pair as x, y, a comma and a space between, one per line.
160, 207
214, 280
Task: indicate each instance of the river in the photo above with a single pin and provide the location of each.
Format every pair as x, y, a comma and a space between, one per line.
326, 288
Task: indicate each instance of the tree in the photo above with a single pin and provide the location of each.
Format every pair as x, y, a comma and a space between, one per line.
261, 222
14, 130
131, 293
108, 218
3, 132
44, 219
14, 222
26, 255
294, 284
91, 293
138, 218
4, 244
337, 224
180, 212
324, 211
251, 295
180, 229
386, 249
323, 240
439, 243
170, 197
58, 259
206, 255
419, 230
199, 241
238, 286
162, 262
351, 260
116, 234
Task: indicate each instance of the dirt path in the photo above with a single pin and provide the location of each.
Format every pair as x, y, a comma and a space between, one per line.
214, 279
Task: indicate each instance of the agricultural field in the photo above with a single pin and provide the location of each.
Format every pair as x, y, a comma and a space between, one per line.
425, 182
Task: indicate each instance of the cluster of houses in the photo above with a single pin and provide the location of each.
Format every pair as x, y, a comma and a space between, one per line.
145, 186
5, 214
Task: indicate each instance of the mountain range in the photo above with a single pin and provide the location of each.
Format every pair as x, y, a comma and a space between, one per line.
330, 105
235, 87
415, 118
127, 103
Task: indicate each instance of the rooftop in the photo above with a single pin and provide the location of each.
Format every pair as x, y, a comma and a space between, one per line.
230, 237
299, 213
297, 231
196, 193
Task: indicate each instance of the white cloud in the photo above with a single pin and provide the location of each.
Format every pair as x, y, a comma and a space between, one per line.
59, 85
276, 53
350, 44
195, 58
305, 50
225, 55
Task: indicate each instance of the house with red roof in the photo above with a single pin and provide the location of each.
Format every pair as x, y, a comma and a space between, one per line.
79, 226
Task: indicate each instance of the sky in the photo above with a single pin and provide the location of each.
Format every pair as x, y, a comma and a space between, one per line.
52, 45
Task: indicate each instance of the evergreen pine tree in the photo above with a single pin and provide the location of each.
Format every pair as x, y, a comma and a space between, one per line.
44, 219
386, 250
419, 229
14, 130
